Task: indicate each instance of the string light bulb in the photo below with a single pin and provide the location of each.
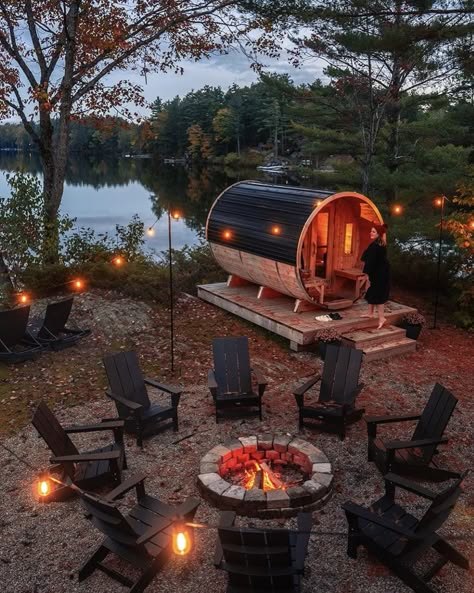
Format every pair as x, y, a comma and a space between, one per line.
118, 261
397, 209
438, 201
78, 284
176, 215
150, 231
23, 298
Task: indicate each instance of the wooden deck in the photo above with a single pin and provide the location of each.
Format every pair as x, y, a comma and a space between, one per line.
276, 314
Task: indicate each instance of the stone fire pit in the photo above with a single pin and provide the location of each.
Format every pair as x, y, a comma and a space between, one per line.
311, 493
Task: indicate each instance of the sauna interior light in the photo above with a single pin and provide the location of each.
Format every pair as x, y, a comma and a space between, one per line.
276, 230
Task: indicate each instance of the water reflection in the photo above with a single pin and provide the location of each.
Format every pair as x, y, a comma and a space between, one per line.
103, 193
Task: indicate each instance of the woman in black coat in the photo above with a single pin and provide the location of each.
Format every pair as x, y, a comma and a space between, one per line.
377, 268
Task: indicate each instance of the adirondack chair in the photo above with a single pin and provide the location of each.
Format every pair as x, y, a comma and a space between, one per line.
129, 392
262, 559
143, 538
335, 407
87, 470
52, 331
398, 539
230, 382
414, 457
16, 343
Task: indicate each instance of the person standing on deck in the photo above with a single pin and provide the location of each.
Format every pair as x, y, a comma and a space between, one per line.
377, 268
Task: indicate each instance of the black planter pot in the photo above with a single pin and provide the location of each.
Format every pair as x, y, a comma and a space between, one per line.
412, 331
322, 347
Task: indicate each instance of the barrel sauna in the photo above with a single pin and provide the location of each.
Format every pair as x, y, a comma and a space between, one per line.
300, 242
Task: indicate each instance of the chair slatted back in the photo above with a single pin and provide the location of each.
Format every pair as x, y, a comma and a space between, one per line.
110, 521
232, 365
340, 376
13, 324
435, 418
259, 559
54, 435
126, 379
56, 317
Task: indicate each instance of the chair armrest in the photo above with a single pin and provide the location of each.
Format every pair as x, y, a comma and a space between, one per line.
187, 509
390, 419
124, 487
304, 388
104, 425
109, 455
394, 445
261, 381
124, 401
305, 522
173, 389
212, 383
153, 530
395, 480
226, 519
363, 513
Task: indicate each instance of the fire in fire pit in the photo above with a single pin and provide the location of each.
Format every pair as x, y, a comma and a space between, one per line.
266, 476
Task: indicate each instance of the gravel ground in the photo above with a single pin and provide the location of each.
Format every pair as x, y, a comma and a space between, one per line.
42, 546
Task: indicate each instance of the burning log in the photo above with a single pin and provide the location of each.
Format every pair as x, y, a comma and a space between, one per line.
276, 482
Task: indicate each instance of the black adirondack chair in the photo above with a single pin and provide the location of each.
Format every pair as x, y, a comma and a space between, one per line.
143, 538
230, 382
398, 539
16, 342
52, 331
262, 559
87, 470
128, 390
414, 457
335, 407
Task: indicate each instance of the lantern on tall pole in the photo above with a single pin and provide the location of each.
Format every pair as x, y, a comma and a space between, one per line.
175, 215
439, 203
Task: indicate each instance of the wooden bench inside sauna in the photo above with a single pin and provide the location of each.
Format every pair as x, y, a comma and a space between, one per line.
299, 242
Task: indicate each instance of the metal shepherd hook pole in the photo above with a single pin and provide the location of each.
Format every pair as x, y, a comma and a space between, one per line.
171, 293
441, 203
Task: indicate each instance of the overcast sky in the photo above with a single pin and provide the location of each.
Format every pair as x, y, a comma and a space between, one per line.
221, 71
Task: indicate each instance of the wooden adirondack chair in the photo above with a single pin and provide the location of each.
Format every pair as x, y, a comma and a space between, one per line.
230, 382
414, 457
262, 559
87, 470
16, 342
53, 331
129, 392
143, 538
335, 408
398, 539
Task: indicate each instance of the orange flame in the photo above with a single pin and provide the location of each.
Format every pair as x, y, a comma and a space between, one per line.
250, 476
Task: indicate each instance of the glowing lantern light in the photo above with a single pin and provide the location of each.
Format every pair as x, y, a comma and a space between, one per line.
276, 230
397, 209
227, 235
439, 202
176, 215
78, 284
23, 298
150, 231
471, 224
182, 540
44, 485
318, 203
118, 261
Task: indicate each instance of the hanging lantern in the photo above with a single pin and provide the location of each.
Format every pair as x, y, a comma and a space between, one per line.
23, 298
118, 261
182, 539
150, 231
176, 215
78, 284
397, 209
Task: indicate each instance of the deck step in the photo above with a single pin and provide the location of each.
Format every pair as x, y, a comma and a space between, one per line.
337, 304
364, 338
395, 348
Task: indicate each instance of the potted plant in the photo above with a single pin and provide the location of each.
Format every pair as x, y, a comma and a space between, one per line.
327, 336
413, 323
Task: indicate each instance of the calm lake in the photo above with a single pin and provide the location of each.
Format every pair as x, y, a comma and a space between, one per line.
103, 193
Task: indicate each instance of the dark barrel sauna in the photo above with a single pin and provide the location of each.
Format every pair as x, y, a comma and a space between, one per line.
304, 243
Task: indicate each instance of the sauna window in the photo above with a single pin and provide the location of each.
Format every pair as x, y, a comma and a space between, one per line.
348, 238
